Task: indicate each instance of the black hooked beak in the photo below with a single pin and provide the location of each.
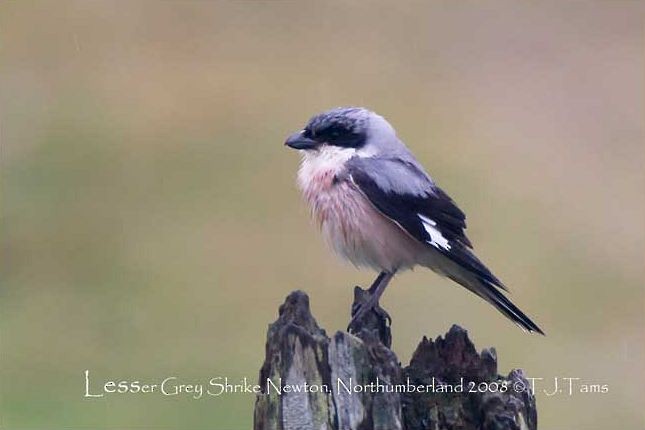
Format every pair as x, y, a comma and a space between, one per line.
299, 141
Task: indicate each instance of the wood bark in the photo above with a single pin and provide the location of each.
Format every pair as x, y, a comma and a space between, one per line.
312, 381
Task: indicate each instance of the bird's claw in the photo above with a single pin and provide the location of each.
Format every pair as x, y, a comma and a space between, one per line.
360, 313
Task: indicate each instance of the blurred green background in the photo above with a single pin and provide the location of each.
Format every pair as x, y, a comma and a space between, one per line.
151, 224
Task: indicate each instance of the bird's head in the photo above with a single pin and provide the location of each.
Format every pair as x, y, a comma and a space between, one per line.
353, 130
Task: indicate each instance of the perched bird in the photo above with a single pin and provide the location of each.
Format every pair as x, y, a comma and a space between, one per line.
378, 208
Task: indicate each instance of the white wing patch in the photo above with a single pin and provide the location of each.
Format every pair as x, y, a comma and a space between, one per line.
436, 238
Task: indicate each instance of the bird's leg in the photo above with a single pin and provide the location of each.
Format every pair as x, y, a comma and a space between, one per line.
371, 291
376, 282
376, 290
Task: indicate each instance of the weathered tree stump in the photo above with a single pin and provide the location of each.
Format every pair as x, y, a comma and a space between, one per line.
311, 381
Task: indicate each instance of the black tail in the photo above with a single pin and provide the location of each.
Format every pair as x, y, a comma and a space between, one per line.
489, 292
512, 312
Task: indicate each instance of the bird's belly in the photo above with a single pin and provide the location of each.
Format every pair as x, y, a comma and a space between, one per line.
356, 231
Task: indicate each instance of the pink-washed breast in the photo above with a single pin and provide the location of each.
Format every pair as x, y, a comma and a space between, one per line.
353, 228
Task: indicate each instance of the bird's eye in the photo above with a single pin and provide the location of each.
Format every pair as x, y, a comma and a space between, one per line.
307, 133
332, 133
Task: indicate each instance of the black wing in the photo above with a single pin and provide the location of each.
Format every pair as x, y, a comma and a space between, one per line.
404, 193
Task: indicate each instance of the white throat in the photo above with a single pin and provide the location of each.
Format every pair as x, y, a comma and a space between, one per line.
324, 161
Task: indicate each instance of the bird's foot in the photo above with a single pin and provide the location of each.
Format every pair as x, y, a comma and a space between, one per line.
359, 313
367, 314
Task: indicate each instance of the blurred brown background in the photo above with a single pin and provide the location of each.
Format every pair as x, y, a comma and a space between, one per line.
151, 223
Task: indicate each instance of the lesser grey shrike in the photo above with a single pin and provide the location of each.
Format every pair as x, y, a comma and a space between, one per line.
378, 208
